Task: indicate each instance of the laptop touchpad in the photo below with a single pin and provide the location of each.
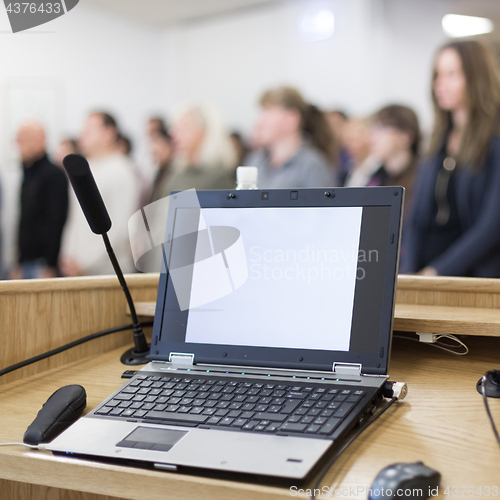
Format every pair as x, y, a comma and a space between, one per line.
145, 438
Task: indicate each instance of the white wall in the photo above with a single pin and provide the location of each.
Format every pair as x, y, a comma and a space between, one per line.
381, 52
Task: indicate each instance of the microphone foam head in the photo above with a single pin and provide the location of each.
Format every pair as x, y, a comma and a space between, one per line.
87, 192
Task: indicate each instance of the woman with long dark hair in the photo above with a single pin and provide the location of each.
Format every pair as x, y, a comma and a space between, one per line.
454, 226
295, 144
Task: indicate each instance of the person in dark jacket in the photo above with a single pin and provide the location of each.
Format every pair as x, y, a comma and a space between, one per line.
44, 207
454, 226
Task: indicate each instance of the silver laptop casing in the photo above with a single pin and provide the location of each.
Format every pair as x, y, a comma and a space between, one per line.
240, 452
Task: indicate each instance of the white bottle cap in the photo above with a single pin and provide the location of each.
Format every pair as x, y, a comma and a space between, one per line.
247, 175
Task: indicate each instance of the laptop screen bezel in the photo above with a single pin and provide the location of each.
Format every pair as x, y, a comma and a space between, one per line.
373, 362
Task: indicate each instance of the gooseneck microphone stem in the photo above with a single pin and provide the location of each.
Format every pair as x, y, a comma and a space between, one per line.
141, 345
94, 209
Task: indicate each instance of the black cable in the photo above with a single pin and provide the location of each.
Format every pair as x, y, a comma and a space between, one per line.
65, 347
327, 467
488, 412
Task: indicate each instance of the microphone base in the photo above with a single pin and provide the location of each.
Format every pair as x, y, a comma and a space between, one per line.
491, 387
134, 358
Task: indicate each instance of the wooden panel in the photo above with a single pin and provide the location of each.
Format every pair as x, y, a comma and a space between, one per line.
446, 319
468, 306
433, 424
445, 283
143, 308
10, 490
82, 283
444, 291
39, 315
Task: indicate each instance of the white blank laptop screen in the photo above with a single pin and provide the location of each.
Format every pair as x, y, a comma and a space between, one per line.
294, 287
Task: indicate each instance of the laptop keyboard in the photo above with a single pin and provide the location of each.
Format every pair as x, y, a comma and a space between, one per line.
279, 407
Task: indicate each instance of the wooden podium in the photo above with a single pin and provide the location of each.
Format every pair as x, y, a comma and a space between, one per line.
442, 421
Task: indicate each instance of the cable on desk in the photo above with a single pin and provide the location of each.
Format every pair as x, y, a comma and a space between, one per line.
327, 467
441, 345
31, 446
488, 412
65, 347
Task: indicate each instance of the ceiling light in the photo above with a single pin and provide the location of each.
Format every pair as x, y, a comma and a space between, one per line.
316, 25
456, 26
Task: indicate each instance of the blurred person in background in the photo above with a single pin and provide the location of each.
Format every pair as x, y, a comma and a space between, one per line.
114, 174
163, 152
156, 126
357, 144
143, 154
153, 173
240, 146
338, 120
296, 147
66, 146
255, 142
124, 145
454, 226
395, 143
204, 157
43, 207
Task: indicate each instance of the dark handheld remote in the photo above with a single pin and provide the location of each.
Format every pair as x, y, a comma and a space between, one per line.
59, 412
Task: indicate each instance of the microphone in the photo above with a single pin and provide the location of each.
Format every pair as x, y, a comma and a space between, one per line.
89, 197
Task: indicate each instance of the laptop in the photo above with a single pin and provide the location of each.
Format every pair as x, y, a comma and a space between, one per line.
271, 336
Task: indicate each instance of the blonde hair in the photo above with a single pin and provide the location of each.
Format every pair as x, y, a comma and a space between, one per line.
217, 150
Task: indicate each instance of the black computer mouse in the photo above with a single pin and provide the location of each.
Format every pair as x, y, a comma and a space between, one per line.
58, 412
405, 481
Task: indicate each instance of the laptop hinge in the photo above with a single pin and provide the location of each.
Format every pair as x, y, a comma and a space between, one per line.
347, 368
181, 359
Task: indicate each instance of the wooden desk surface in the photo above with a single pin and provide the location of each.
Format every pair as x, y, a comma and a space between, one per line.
442, 422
